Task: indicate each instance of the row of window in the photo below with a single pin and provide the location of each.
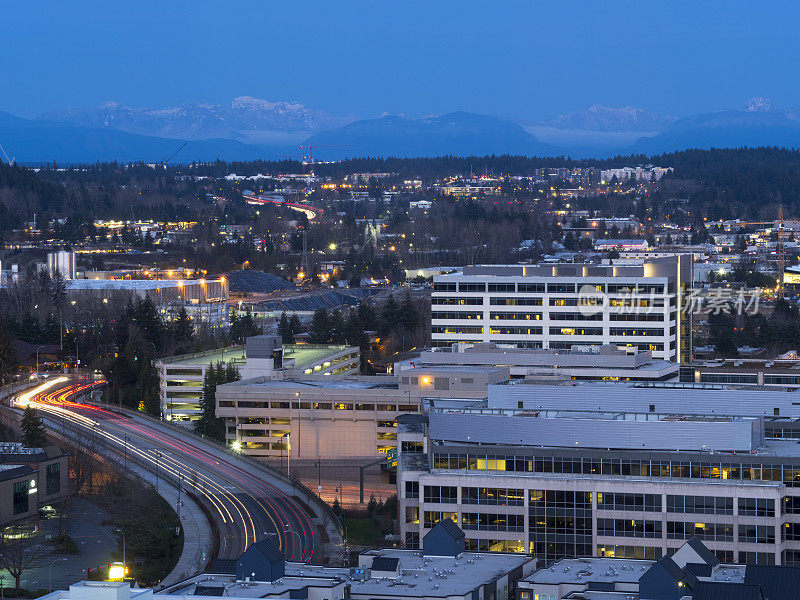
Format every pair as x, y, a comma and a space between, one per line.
641, 528
712, 532
550, 288
492, 522
788, 474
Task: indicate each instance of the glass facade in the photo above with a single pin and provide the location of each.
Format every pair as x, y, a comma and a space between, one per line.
560, 524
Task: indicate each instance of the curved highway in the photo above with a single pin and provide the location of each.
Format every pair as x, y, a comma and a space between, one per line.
244, 505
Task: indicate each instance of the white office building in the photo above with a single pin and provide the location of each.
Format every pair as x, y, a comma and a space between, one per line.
627, 303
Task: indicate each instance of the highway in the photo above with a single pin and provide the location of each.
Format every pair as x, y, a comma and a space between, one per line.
244, 504
312, 212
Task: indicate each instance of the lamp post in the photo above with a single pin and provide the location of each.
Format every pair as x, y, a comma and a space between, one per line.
124, 561
51, 572
288, 529
37, 360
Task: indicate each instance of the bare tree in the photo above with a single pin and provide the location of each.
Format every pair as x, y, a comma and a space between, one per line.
21, 554
83, 465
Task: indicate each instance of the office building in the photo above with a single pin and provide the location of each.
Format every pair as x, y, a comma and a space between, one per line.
627, 303
692, 572
264, 356
603, 363
442, 570
322, 417
776, 373
30, 479
630, 475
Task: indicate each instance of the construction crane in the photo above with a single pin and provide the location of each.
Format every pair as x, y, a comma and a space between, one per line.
171, 156
9, 161
779, 292
311, 147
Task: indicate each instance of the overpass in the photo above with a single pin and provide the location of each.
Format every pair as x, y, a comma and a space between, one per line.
246, 501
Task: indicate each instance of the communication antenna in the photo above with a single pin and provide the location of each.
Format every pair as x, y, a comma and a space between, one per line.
304, 261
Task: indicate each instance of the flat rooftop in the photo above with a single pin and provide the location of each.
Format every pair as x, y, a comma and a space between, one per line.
327, 383
302, 354
228, 586
133, 284
432, 576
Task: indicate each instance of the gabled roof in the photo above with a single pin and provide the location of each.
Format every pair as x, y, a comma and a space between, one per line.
268, 549
777, 582
717, 590
385, 564
708, 557
453, 530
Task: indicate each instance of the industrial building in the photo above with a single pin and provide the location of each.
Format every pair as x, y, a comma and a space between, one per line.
327, 418
160, 291
777, 373
628, 303
603, 363
608, 469
263, 356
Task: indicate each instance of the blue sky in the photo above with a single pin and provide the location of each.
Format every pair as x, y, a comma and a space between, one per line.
522, 59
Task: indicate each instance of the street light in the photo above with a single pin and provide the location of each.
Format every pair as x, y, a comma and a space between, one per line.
288, 529
51, 571
124, 562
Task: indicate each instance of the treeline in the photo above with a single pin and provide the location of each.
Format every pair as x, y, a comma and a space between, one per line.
776, 333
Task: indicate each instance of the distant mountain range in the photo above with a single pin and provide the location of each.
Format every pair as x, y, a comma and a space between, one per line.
604, 118
250, 128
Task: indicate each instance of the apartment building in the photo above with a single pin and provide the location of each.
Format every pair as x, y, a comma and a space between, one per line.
315, 418
627, 303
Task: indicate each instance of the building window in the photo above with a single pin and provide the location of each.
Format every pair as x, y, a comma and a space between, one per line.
637, 552
441, 494
502, 287
53, 482
21, 497
757, 534
412, 489
434, 516
757, 507
470, 287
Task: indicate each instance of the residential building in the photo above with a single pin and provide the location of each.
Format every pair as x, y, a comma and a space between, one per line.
692, 572
322, 417
181, 377
623, 245
628, 303
591, 363
571, 471
30, 479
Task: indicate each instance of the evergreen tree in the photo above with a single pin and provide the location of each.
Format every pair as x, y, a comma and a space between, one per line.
285, 329
388, 316
295, 325
209, 424
320, 327
182, 328
33, 433
408, 315
8, 356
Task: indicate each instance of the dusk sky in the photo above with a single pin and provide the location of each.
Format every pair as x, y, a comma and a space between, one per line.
521, 59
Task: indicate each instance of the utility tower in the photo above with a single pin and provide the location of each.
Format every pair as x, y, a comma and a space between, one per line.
304, 260
779, 292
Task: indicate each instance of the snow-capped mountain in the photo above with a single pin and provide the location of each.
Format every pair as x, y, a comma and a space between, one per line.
604, 118
245, 118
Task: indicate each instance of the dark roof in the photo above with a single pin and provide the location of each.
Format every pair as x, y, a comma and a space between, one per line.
707, 555
777, 582
268, 549
717, 590
698, 569
223, 566
672, 569
453, 530
19, 471
256, 281
385, 563
26, 353
208, 590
